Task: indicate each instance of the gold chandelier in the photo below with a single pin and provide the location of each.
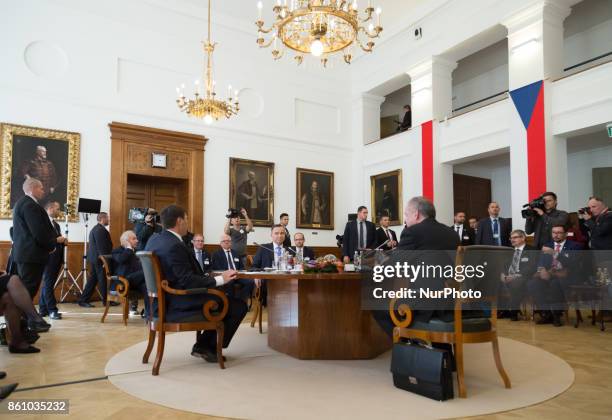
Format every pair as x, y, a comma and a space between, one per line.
208, 106
319, 27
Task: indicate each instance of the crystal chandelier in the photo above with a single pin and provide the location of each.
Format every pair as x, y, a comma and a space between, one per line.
319, 27
207, 106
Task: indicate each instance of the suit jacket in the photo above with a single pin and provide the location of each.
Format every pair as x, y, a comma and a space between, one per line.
219, 260
287, 241
349, 242
600, 231
528, 264
264, 257
541, 226
468, 236
568, 258
306, 252
100, 243
429, 235
56, 258
206, 260
182, 271
34, 237
381, 238
484, 235
125, 262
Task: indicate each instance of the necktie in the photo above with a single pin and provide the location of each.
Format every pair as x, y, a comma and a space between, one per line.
555, 263
387, 233
496, 232
516, 260
278, 251
199, 258
457, 229
230, 261
361, 238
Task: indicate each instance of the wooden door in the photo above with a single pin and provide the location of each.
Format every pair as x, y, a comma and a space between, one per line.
156, 192
471, 195
602, 184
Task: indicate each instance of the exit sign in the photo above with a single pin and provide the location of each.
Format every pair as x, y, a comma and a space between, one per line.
609, 127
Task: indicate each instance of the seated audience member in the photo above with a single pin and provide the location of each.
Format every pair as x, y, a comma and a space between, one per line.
183, 272
518, 272
128, 265
559, 267
465, 233
384, 234
15, 301
301, 252
226, 259
493, 230
200, 253
268, 255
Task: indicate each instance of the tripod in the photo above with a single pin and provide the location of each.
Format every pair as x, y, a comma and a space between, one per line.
65, 277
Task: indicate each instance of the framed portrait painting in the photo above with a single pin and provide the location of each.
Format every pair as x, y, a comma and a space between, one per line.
314, 199
386, 190
252, 188
51, 156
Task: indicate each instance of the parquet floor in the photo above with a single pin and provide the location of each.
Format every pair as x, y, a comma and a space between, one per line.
78, 347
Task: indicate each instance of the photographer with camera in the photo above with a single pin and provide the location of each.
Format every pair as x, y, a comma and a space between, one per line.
147, 227
597, 219
541, 215
237, 232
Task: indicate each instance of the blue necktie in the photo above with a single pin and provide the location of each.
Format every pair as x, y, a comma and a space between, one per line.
496, 232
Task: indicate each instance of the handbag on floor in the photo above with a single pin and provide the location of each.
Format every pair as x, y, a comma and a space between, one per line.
422, 370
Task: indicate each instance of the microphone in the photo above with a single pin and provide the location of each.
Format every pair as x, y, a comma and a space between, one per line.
264, 247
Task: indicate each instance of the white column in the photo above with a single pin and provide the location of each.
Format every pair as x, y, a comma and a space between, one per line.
432, 92
366, 128
535, 52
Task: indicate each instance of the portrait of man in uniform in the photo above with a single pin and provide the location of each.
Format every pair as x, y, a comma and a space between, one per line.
252, 188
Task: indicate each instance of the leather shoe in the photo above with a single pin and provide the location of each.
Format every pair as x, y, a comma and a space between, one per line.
55, 315
6, 390
209, 356
38, 326
85, 305
27, 350
2, 375
30, 336
43, 314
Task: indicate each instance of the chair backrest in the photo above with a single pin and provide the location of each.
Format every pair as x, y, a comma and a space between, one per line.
107, 264
152, 271
249, 261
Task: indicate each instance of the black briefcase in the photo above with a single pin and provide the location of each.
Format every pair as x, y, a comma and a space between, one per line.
424, 371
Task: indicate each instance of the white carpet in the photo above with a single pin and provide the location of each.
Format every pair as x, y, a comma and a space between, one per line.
259, 383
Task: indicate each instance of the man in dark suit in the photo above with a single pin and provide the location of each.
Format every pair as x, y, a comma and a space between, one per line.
100, 243
358, 235
183, 272
200, 254
559, 267
517, 273
473, 223
300, 251
423, 233
493, 230
284, 221
34, 237
47, 305
225, 259
466, 235
267, 255
384, 234
127, 264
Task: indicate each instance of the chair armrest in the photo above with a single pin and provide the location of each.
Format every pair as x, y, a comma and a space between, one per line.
209, 306
402, 316
123, 286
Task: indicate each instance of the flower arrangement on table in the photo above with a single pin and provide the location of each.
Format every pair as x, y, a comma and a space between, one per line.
326, 264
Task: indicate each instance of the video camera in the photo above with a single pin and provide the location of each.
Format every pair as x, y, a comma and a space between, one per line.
585, 210
231, 213
536, 203
138, 215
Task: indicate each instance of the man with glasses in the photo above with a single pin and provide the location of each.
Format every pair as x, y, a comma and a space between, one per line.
541, 224
201, 256
227, 259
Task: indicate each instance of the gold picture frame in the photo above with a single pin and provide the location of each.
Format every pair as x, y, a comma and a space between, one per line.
244, 174
58, 166
386, 191
306, 217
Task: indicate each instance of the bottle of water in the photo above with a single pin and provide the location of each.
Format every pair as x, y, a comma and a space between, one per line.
283, 261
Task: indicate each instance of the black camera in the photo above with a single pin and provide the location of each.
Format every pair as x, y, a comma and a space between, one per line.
536, 203
584, 210
138, 215
231, 213
339, 239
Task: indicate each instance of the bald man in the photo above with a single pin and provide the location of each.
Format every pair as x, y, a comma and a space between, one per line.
226, 259
34, 237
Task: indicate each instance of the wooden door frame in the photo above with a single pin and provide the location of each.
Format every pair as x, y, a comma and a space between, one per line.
165, 141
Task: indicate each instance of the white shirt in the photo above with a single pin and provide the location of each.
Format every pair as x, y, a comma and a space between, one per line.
218, 279
460, 230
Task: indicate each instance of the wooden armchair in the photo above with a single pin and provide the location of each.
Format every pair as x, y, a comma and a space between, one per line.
158, 288
256, 301
461, 330
121, 294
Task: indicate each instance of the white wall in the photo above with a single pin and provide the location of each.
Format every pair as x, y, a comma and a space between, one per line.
78, 65
588, 31
580, 177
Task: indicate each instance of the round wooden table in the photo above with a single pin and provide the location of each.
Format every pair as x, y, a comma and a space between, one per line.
319, 316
